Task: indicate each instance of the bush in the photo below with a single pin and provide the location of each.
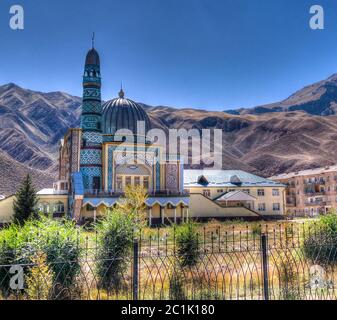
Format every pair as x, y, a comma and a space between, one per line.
115, 238
187, 244
289, 279
40, 278
256, 229
320, 241
177, 285
58, 241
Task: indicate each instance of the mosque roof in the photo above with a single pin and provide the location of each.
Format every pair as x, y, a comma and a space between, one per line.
122, 113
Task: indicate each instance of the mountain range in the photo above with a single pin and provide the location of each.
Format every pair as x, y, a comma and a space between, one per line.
297, 133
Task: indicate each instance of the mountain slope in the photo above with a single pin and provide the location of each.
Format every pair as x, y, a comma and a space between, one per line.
265, 143
317, 99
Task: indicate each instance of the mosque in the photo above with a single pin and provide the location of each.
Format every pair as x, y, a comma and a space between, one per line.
110, 150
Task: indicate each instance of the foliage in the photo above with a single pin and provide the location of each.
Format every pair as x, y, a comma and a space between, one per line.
177, 284
57, 240
25, 204
133, 205
256, 229
187, 244
320, 240
40, 279
288, 277
115, 238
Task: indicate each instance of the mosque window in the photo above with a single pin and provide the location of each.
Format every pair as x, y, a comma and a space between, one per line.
127, 181
84, 142
119, 183
137, 181
146, 183
96, 182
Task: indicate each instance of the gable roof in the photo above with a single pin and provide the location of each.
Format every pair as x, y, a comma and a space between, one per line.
236, 196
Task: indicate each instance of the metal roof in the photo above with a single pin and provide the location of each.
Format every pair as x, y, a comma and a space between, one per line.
225, 178
122, 113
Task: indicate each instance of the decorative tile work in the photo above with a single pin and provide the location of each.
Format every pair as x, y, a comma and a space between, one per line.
171, 176
92, 138
88, 174
92, 106
89, 156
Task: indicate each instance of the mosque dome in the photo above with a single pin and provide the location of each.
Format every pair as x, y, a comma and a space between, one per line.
122, 113
92, 57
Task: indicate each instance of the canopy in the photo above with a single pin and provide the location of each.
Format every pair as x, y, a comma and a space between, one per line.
151, 201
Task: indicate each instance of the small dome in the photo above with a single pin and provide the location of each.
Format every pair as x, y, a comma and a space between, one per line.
122, 113
92, 57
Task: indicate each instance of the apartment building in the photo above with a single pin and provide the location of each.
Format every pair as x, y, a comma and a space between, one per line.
310, 192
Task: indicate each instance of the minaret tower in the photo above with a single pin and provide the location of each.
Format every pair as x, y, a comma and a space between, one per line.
91, 117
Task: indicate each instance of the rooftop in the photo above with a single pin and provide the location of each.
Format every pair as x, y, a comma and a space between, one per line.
225, 178
51, 191
308, 172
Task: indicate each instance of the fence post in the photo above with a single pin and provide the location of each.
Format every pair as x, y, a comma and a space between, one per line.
264, 249
135, 273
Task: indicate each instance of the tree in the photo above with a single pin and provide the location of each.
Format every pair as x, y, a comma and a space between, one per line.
133, 204
25, 204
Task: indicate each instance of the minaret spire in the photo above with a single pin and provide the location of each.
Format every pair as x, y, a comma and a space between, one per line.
93, 40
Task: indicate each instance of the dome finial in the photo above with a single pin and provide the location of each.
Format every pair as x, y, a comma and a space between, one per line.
121, 92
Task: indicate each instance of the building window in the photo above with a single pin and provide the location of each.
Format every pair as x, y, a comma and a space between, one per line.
119, 183
219, 191
262, 207
206, 193
89, 207
276, 207
137, 181
276, 192
59, 207
127, 181
44, 208
146, 183
260, 192
246, 191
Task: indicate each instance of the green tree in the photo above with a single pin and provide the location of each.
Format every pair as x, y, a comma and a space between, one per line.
25, 204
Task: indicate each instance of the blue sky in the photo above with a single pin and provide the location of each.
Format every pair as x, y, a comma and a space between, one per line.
206, 54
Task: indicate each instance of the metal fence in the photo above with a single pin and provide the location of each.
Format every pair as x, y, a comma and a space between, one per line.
229, 263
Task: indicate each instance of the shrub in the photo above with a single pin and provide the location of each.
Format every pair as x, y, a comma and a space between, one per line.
115, 238
177, 285
40, 279
256, 229
320, 241
187, 244
58, 241
289, 279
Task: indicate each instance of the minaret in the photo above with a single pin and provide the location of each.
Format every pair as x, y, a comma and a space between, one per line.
91, 117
